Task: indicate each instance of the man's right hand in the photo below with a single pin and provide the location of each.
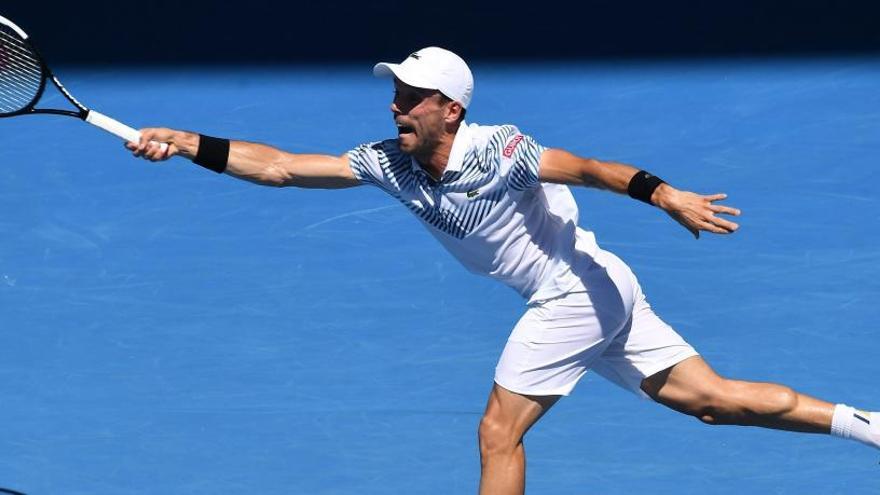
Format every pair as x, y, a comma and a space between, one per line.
179, 143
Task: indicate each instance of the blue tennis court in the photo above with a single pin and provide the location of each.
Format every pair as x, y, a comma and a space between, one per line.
167, 330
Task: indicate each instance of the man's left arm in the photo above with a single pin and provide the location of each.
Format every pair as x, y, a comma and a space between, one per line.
696, 212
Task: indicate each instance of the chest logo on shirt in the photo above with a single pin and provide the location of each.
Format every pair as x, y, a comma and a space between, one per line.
508, 150
473, 194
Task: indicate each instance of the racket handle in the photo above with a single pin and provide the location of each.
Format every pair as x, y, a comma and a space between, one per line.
117, 128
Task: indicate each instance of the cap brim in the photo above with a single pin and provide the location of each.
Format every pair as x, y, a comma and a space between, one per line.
385, 69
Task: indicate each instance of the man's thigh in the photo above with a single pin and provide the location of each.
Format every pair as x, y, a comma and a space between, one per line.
554, 344
645, 347
515, 413
558, 340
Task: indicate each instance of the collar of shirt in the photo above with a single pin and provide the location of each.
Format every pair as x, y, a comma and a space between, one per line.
460, 146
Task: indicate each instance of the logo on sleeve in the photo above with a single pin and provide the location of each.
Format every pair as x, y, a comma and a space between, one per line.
508, 150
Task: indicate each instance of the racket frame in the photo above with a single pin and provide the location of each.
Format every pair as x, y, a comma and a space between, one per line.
45, 75
93, 117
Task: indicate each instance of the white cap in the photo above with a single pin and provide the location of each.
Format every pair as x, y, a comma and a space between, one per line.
433, 68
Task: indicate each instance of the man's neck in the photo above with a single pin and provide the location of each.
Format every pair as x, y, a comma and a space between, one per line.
435, 164
436, 161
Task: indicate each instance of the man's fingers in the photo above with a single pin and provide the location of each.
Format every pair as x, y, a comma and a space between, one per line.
728, 226
709, 223
712, 220
720, 226
725, 209
146, 140
154, 151
717, 229
715, 197
709, 227
149, 147
699, 213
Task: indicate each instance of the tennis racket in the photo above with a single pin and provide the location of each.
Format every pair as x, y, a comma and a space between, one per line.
23, 78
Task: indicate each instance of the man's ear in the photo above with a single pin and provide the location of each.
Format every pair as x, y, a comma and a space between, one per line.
453, 112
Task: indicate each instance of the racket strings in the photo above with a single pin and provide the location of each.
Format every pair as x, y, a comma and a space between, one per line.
17, 76
18, 87
18, 46
16, 59
15, 63
21, 74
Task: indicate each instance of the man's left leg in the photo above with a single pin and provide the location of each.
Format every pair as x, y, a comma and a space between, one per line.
693, 388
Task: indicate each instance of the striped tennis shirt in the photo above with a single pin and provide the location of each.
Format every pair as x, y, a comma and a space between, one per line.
489, 209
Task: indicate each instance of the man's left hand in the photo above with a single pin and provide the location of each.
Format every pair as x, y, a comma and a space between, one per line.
695, 212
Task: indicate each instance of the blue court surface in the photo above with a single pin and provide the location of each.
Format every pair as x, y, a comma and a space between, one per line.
169, 331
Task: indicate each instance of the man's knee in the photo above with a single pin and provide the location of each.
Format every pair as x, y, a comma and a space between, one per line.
496, 436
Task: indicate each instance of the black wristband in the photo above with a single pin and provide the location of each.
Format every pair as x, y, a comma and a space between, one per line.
642, 186
213, 153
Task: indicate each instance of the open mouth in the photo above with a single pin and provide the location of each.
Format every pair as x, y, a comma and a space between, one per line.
404, 129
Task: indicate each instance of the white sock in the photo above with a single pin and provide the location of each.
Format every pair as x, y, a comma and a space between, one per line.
850, 423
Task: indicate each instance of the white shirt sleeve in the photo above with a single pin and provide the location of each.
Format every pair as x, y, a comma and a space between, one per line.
525, 154
365, 162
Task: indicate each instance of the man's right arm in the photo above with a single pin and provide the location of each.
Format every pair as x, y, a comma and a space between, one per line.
253, 162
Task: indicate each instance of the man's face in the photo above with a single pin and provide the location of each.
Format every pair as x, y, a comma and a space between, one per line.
419, 116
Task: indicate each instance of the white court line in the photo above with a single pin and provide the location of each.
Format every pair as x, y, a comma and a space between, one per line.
349, 214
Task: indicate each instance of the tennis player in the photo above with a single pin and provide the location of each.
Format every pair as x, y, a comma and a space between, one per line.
499, 202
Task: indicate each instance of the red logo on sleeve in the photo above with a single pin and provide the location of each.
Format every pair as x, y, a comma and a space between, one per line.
508, 150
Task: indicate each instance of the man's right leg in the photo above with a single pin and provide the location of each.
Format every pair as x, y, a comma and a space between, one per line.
551, 347
507, 418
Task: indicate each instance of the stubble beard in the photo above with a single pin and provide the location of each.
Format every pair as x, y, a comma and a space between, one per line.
423, 148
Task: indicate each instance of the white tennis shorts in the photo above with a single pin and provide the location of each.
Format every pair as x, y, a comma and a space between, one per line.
606, 325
